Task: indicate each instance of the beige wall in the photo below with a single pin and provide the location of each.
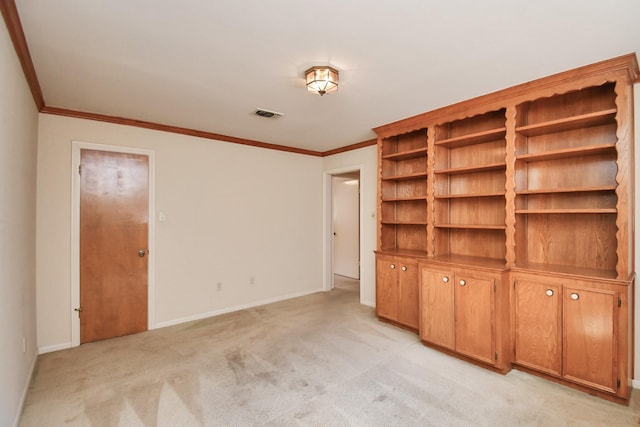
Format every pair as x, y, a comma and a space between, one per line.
193, 250
18, 138
232, 212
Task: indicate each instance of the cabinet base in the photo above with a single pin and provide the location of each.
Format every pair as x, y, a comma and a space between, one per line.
498, 368
584, 389
399, 325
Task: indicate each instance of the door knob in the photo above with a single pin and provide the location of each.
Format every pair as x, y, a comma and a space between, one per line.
142, 253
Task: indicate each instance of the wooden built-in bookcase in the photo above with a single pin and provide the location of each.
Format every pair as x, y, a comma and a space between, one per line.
514, 210
403, 193
565, 173
469, 183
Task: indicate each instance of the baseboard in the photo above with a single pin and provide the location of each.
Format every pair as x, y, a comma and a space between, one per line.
64, 346
368, 303
201, 316
635, 383
56, 347
26, 389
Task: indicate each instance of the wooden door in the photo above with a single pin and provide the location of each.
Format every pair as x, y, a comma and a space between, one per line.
408, 299
538, 326
590, 337
387, 287
474, 317
437, 312
114, 218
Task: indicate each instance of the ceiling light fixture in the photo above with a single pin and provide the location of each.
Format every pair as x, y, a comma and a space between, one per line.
322, 79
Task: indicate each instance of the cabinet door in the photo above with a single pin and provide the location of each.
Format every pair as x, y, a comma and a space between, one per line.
538, 323
387, 294
409, 301
590, 337
474, 317
436, 307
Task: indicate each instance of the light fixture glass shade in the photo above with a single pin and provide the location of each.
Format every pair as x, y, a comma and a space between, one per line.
322, 79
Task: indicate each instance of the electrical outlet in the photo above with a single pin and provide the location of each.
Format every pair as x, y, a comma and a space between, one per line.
219, 286
252, 280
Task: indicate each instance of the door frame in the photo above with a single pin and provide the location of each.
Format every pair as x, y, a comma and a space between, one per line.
327, 224
76, 146
341, 178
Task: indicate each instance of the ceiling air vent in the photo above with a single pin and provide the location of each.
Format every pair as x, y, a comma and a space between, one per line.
267, 113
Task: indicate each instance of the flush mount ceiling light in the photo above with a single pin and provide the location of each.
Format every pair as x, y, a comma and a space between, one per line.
322, 79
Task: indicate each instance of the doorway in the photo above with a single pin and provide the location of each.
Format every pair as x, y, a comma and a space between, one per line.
346, 224
112, 237
343, 228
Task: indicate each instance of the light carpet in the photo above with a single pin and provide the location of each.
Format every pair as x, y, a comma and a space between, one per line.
319, 360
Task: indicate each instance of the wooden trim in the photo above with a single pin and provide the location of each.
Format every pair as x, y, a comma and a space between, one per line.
350, 147
576, 386
172, 129
16, 32
57, 111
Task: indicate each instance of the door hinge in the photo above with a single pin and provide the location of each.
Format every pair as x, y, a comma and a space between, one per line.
496, 356
618, 382
619, 302
80, 169
494, 287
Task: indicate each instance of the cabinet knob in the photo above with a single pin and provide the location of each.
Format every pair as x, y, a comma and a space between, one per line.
404, 268
393, 266
462, 283
549, 292
445, 279
575, 296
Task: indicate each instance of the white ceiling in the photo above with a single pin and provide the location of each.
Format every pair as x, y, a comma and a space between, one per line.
208, 64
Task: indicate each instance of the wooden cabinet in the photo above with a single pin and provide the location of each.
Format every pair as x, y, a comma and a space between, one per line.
589, 321
537, 309
397, 290
475, 335
458, 312
437, 315
402, 213
574, 329
535, 182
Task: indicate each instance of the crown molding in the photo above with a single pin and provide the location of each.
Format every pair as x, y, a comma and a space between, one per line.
350, 147
172, 129
16, 32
